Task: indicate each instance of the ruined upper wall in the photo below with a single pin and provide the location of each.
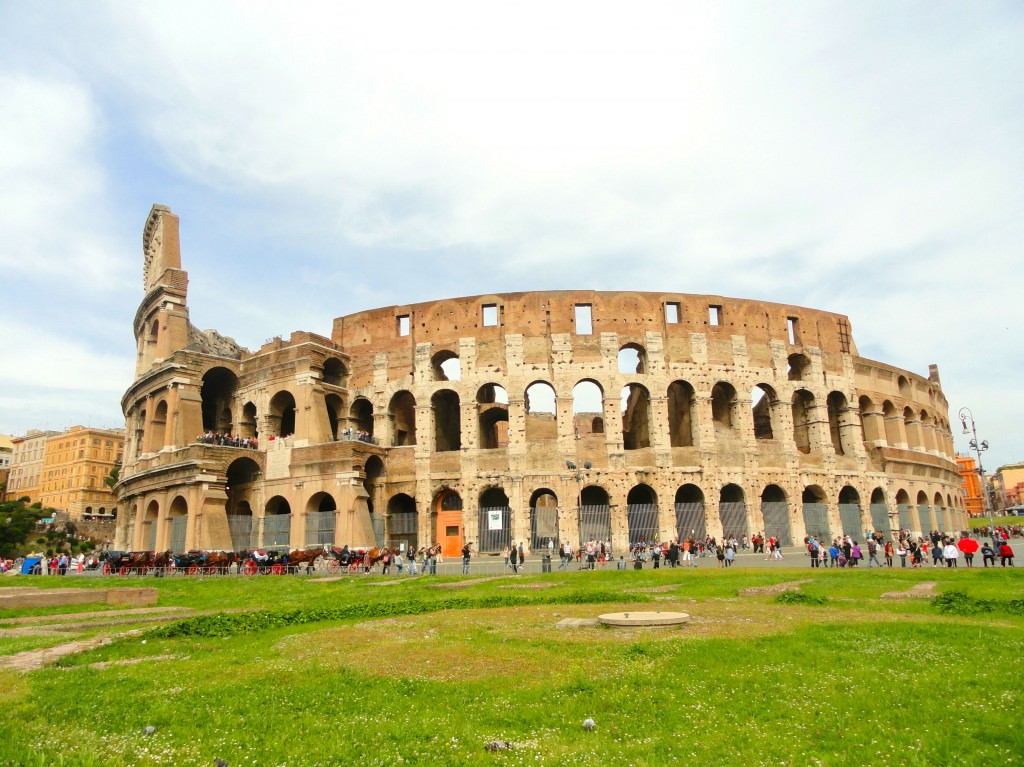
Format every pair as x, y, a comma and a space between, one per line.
630, 315
161, 246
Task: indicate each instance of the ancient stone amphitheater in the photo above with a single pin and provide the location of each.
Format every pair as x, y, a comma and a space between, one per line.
536, 417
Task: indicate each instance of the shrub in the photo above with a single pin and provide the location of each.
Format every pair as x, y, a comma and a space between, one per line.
959, 603
793, 597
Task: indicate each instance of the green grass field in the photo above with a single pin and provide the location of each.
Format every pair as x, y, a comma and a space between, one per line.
424, 672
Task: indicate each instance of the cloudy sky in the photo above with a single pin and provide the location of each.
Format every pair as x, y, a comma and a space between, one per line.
327, 158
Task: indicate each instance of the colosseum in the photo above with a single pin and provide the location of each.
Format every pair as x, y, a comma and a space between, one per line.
534, 417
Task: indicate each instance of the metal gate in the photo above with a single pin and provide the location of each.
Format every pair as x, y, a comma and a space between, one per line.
495, 529
320, 527
776, 521
880, 518
402, 528
242, 534
151, 542
904, 512
642, 523
816, 521
595, 524
179, 525
734, 519
277, 531
543, 527
690, 521
849, 517
926, 518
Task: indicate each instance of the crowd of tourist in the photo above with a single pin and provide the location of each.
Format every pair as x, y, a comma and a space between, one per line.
228, 440
356, 434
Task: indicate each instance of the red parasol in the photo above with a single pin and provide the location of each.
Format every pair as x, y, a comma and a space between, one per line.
968, 545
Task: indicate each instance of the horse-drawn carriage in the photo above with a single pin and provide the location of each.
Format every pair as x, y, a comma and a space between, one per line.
205, 562
272, 562
356, 559
135, 562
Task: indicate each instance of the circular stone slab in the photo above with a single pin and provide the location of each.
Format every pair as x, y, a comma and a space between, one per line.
644, 619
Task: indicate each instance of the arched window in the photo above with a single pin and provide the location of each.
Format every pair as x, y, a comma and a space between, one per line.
403, 417
690, 521
335, 407
680, 414
762, 402
335, 372
247, 426
495, 520
541, 421
636, 417
799, 367
815, 512
723, 406
446, 366
217, 392
587, 408
492, 415
732, 511
775, 513
837, 409
803, 402
544, 520
281, 419
361, 416
447, 421
632, 359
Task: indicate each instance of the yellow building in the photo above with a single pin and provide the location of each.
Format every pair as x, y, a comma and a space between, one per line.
27, 465
1006, 484
75, 464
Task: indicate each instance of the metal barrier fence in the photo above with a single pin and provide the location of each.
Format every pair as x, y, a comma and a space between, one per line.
544, 527
595, 523
642, 522
816, 521
904, 513
320, 527
243, 534
849, 518
690, 521
495, 529
880, 517
734, 519
277, 530
776, 521
178, 525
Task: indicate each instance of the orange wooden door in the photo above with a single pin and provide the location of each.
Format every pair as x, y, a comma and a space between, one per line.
449, 532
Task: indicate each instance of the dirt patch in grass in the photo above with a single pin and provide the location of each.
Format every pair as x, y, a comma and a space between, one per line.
536, 585
31, 660
132, 661
654, 589
923, 590
775, 588
464, 584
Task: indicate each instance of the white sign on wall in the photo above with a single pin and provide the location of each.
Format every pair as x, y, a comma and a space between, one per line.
494, 519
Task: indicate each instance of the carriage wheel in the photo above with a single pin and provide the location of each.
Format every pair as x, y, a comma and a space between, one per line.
332, 566
277, 569
106, 568
122, 570
193, 570
249, 567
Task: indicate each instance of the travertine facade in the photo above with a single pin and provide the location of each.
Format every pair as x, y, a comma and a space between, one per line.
526, 416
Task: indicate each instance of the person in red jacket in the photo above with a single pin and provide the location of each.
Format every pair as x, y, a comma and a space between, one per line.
1005, 554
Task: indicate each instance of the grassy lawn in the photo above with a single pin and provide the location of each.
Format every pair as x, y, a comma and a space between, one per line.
441, 671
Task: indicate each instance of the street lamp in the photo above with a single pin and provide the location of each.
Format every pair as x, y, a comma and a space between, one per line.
966, 415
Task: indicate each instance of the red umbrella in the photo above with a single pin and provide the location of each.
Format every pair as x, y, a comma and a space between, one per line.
968, 545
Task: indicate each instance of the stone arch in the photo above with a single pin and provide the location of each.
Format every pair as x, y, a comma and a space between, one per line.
799, 367
320, 519
681, 399
361, 416
642, 524
903, 509
373, 483
277, 523
159, 427
403, 419
903, 384
403, 521
335, 406
595, 515
636, 417
541, 417
281, 418
775, 514
723, 406
880, 511
446, 366
763, 401
217, 392
850, 512
495, 520
732, 512
802, 406
689, 507
587, 407
913, 429
447, 420
838, 408
815, 512
247, 424
869, 414
321, 502
544, 528
335, 373
492, 416
632, 359
149, 525
893, 422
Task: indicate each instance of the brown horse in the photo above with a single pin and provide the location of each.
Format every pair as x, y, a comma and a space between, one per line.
307, 557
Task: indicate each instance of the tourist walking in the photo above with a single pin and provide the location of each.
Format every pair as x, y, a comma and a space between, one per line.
465, 559
513, 558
